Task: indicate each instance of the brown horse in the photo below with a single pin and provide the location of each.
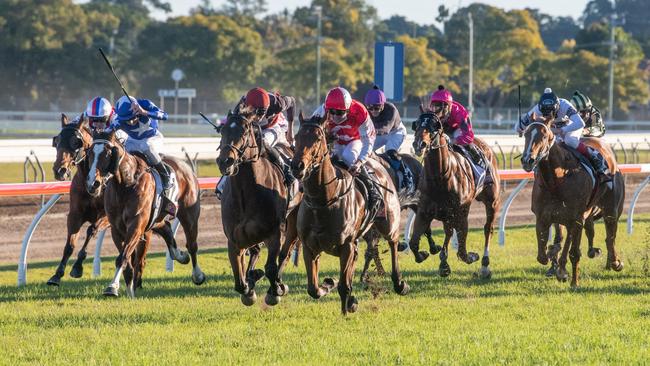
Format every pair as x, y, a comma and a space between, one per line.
558, 238
566, 193
332, 212
71, 145
254, 209
128, 197
447, 190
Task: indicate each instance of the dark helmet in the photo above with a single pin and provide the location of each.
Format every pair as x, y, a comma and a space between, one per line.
549, 104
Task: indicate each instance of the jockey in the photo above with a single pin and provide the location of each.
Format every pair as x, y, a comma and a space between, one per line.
390, 130
456, 122
137, 120
99, 112
349, 122
568, 125
268, 110
594, 125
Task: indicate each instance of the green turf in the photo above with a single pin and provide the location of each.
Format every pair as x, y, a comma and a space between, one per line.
517, 317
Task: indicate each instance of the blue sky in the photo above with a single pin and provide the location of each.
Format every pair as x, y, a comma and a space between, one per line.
421, 11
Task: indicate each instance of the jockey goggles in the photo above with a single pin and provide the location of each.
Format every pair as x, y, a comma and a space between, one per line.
337, 112
374, 107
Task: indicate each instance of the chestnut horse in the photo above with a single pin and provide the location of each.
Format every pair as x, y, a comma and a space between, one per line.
447, 189
332, 212
128, 197
71, 145
566, 193
254, 209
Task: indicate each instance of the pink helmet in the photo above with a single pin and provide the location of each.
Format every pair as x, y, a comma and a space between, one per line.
339, 99
442, 95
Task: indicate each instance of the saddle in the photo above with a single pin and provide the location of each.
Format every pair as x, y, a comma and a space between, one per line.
401, 171
480, 166
159, 205
586, 164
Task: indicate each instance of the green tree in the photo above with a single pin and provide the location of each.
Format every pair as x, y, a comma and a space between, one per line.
554, 30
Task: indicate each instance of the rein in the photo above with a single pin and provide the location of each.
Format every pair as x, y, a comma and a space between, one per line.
239, 152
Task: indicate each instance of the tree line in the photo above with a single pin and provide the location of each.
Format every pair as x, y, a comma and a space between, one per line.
48, 50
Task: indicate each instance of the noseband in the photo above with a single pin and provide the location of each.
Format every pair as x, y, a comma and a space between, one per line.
78, 154
252, 131
546, 151
323, 155
434, 127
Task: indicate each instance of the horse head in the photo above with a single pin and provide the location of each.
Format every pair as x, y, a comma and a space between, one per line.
429, 133
310, 146
538, 142
239, 143
105, 155
71, 145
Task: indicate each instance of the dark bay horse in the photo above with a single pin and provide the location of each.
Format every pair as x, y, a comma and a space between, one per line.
254, 209
332, 212
566, 193
447, 189
71, 145
128, 196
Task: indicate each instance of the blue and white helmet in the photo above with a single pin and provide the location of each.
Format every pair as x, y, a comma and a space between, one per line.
99, 107
123, 108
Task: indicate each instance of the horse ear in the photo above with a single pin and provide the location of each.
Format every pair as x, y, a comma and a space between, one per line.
64, 120
421, 107
301, 117
83, 122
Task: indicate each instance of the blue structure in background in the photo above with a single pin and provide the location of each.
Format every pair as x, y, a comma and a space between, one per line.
389, 69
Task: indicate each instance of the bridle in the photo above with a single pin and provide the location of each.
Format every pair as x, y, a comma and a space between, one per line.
434, 127
109, 173
542, 155
321, 155
79, 153
252, 131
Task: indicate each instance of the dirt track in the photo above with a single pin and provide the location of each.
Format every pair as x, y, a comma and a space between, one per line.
16, 214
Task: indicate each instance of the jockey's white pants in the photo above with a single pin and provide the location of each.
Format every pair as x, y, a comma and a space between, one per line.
392, 140
348, 153
572, 138
149, 147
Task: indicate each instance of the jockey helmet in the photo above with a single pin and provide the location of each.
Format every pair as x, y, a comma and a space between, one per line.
123, 108
549, 104
442, 95
338, 99
375, 96
258, 99
580, 101
99, 112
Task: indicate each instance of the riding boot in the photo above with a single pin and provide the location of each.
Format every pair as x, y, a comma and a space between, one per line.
165, 179
398, 164
474, 154
289, 179
374, 198
598, 162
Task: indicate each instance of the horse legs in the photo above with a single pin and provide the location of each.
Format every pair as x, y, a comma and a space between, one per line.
562, 274
236, 257
433, 248
444, 270
589, 230
488, 230
253, 275
461, 230
167, 234
372, 252
93, 229
272, 269
420, 226
140, 260
290, 241
188, 218
400, 286
347, 259
114, 287
74, 224
574, 254
613, 261
312, 260
541, 230
553, 251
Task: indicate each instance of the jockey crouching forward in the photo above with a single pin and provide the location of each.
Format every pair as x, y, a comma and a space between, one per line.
456, 124
594, 125
100, 114
568, 126
390, 132
349, 122
137, 122
267, 110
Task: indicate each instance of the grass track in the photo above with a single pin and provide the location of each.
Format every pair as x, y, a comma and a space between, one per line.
517, 317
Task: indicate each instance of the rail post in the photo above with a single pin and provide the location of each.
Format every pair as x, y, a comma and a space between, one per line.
506, 207
635, 198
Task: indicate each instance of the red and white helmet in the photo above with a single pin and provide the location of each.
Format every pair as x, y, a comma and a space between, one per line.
99, 107
339, 99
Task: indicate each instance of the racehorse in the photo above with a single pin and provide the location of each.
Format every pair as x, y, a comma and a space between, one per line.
71, 145
558, 238
332, 212
567, 193
447, 189
254, 209
129, 192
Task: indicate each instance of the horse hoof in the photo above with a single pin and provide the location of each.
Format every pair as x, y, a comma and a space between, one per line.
76, 271
111, 291
403, 288
471, 258
485, 273
353, 304
594, 252
198, 279
551, 271
402, 246
249, 300
562, 275
444, 270
283, 289
542, 259
54, 281
434, 249
271, 300
420, 256
330, 283
574, 285
184, 257
617, 266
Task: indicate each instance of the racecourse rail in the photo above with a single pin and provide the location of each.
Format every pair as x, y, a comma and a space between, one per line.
58, 189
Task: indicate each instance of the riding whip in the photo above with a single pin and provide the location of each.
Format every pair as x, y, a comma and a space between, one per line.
113, 71
218, 128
